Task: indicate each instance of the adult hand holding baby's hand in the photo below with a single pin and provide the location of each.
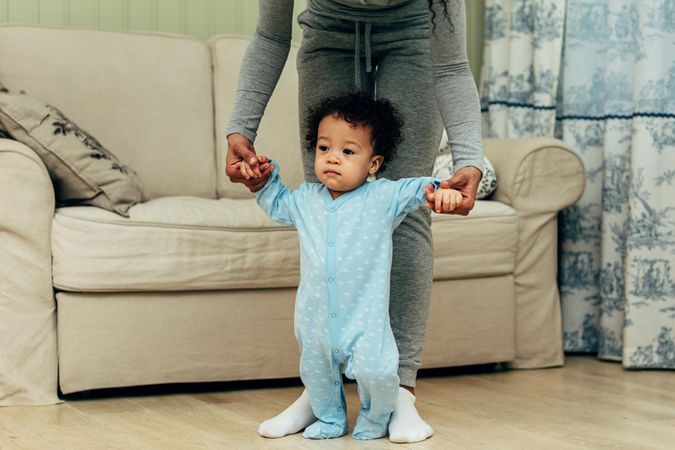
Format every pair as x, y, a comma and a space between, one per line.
465, 180
442, 200
247, 171
240, 149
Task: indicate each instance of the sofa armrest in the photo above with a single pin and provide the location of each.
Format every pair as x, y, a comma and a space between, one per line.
536, 175
28, 359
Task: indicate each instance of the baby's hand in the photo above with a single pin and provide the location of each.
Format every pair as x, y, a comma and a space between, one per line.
246, 170
442, 200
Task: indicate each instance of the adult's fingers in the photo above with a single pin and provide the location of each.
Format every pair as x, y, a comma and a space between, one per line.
464, 208
466, 181
258, 183
239, 148
233, 166
458, 181
248, 155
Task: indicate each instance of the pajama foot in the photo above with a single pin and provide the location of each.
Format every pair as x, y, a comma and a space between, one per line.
367, 429
325, 430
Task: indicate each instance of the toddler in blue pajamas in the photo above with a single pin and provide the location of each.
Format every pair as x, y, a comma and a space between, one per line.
345, 226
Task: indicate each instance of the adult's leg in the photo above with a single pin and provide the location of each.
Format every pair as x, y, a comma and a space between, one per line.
404, 76
325, 69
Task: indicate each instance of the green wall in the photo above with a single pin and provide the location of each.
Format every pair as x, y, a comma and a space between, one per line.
475, 13
200, 18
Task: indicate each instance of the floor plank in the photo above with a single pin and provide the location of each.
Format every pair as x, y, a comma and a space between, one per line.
588, 404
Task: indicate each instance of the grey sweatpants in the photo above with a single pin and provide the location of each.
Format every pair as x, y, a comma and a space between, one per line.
393, 63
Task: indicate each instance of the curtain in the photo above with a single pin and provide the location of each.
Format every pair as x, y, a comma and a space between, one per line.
520, 70
612, 99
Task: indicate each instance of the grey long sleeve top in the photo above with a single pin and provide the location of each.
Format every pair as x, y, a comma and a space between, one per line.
456, 92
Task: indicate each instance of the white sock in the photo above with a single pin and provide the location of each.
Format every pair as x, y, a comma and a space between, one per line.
293, 419
406, 425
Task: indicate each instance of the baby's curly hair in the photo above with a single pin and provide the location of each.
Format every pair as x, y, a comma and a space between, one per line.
359, 109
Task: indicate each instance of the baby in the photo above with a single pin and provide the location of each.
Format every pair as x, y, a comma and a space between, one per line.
345, 226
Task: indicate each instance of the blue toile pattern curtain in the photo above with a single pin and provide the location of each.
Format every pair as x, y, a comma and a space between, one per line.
613, 99
521, 63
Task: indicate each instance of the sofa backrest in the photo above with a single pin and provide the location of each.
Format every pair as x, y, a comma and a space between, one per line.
278, 135
146, 97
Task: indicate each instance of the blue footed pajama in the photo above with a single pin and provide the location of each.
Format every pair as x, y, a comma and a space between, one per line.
342, 303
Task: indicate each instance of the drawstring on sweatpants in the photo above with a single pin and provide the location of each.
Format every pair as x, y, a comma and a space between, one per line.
357, 53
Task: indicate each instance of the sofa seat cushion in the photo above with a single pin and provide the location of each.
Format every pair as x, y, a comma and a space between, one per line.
189, 243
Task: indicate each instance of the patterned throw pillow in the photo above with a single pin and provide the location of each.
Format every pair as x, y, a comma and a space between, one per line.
443, 169
81, 169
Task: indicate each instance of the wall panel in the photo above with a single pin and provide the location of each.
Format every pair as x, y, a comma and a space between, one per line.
51, 12
22, 11
170, 16
143, 15
112, 14
82, 13
227, 16
199, 18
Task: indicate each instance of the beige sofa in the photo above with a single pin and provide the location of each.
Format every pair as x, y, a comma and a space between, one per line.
198, 284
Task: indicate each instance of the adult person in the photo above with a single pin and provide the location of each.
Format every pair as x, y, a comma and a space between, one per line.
413, 53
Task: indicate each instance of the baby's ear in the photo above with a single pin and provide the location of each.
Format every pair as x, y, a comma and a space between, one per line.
375, 164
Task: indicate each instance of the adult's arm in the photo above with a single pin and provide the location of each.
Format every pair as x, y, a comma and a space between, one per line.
455, 89
261, 68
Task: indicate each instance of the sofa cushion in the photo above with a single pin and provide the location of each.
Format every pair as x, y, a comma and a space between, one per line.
147, 97
188, 243
82, 170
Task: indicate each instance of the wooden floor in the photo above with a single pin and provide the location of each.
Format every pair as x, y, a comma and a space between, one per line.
586, 404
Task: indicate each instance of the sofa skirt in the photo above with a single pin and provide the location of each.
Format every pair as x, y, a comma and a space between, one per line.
131, 339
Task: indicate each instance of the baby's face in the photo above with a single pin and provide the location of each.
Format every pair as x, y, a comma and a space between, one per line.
344, 155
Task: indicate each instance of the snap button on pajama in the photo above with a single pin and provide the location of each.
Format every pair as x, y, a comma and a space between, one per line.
342, 303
